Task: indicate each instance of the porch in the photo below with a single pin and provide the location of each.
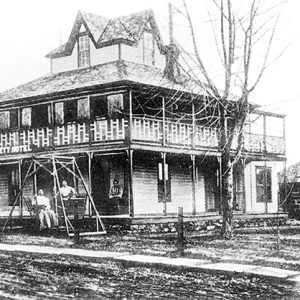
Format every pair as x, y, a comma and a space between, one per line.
143, 130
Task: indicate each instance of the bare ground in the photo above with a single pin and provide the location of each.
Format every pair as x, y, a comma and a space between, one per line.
259, 248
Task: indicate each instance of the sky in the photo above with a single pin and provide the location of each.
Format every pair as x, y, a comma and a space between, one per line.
32, 28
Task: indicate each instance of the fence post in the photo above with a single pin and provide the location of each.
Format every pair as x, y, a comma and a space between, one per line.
180, 237
76, 223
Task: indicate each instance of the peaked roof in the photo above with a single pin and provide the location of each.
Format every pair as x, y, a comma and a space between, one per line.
104, 32
118, 71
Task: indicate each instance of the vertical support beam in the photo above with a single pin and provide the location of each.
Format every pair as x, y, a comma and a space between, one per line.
165, 183
130, 125
265, 134
90, 156
193, 125
193, 183
180, 231
20, 186
130, 190
163, 122
54, 184
34, 179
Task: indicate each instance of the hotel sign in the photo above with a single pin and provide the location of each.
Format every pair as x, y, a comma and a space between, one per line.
15, 149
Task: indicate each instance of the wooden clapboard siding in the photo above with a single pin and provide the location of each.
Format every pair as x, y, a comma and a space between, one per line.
239, 190
145, 192
181, 187
200, 192
3, 189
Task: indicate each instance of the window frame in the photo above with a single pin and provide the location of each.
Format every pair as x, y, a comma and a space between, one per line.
86, 51
265, 187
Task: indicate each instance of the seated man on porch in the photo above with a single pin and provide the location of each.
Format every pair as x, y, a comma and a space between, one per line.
47, 217
115, 194
66, 192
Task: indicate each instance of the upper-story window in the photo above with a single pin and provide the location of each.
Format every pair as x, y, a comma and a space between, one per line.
83, 51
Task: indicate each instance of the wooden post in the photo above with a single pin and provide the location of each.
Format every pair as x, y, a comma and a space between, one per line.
130, 118
165, 183
265, 134
76, 223
193, 125
34, 179
163, 122
180, 236
90, 156
54, 185
130, 190
20, 186
194, 184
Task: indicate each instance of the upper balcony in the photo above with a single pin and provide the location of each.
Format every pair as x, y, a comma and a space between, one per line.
137, 130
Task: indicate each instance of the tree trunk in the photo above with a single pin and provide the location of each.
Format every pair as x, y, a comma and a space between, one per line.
227, 196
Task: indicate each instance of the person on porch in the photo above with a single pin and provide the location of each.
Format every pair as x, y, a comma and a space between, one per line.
115, 195
66, 192
47, 217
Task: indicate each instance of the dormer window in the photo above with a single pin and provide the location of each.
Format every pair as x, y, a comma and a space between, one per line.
83, 51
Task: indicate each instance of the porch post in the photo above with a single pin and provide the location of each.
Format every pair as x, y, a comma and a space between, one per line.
130, 190
90, 156
20, 186
193, 125
193, 183
163, 122
54, 184
34, 179
130, 118
165, 183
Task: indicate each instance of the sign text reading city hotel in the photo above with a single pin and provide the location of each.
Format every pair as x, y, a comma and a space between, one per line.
15, 149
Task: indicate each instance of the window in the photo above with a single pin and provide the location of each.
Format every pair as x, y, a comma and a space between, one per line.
14, 119
263, 184
83, 108
148, 48
83, 51
115, 106
26, 117
59, 113
4, 120
41, 115
13, 186
98, 107
163, 175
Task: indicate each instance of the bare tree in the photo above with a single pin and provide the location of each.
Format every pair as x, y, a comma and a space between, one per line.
238, 32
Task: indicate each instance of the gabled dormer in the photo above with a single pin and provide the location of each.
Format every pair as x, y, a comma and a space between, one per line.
96, 40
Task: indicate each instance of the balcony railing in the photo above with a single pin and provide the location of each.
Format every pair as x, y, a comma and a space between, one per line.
175, 134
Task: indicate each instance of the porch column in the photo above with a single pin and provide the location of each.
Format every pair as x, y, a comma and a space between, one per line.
90, 156
194, 179
130, 125
265, 134
130, 185
193, 125
20, 186
164, 183
163, 122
